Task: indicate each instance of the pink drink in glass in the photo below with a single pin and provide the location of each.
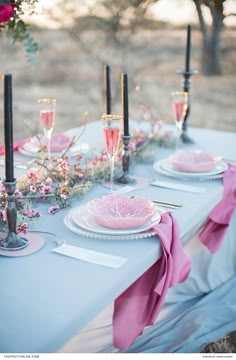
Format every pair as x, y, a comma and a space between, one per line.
111, 140
180, 106
179, 110
111, 130
47, 112
47, 118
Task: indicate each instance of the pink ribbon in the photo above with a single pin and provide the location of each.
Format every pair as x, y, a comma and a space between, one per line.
139, 305
219, 218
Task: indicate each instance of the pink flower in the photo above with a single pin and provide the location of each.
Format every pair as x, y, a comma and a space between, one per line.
132, 147
22, 228
168, 133
78, 157
32, 213
18, 195
80, 175
64, 196
53, 209
104, 157
45, 189
6, 12
18, 192
3, 215
146, 112
32, 176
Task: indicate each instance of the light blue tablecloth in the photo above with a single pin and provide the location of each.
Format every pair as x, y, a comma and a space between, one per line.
47, 298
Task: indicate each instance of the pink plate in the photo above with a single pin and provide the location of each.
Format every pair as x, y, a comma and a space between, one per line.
120, 211
59, 142
194, 161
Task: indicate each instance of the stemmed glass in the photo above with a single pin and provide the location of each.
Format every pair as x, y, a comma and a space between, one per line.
180, 105
111, 129
47, 116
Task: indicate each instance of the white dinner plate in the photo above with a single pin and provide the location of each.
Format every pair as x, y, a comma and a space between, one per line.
68, 221
81, 218
29, 149
166, 168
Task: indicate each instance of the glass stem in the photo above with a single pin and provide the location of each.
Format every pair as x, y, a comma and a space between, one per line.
178, 140
112, 161
49, 136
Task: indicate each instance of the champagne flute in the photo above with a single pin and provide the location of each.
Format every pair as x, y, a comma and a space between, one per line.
47, 116
111, 129
180, 105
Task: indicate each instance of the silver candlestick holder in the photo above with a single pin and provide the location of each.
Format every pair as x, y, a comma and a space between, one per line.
12, 241
125, 178
186, 88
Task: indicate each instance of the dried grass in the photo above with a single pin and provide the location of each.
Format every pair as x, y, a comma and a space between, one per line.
225, 345
72, 72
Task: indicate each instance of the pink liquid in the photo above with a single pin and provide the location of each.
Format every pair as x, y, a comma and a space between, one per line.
47, 118
179, 110
111, 140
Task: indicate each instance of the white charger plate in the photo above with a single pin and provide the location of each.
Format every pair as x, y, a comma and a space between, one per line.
71, 225
166, 168
29, 149
78, 230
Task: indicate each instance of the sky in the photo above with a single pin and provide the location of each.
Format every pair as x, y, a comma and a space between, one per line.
174, 11
187, 12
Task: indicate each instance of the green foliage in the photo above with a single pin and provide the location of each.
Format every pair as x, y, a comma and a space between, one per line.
19, 30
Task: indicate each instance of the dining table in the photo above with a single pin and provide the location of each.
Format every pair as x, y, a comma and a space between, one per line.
47, 297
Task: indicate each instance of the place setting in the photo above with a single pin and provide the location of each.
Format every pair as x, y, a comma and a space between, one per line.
115, 217
49, 143
188, 164
192, 165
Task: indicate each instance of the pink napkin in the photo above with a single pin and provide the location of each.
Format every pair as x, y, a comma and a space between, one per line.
139, 305
219, 218
17, 144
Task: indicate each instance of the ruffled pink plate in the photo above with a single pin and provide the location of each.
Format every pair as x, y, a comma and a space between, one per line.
59, 142
194, 161
121, 211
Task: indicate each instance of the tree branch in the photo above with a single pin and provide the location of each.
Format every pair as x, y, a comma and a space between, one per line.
200, 16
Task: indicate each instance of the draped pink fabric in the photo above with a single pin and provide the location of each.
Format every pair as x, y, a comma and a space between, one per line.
219, 218
139, 305
17, 144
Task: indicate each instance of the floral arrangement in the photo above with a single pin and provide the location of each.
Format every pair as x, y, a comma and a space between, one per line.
58, 181
11, 12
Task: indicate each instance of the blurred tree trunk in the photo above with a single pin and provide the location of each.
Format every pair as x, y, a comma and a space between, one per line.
211, 49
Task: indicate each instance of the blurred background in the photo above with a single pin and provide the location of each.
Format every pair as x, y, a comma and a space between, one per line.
144, 38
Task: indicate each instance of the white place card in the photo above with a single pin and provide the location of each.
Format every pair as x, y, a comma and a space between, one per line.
91, 256
176, 186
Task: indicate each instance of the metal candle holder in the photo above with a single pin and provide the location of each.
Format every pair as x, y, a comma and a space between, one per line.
12, 240
125, 178
186, 86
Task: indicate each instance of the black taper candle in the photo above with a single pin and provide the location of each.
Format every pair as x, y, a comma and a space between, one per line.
125, 103
107, 90
188, 48
8, 127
